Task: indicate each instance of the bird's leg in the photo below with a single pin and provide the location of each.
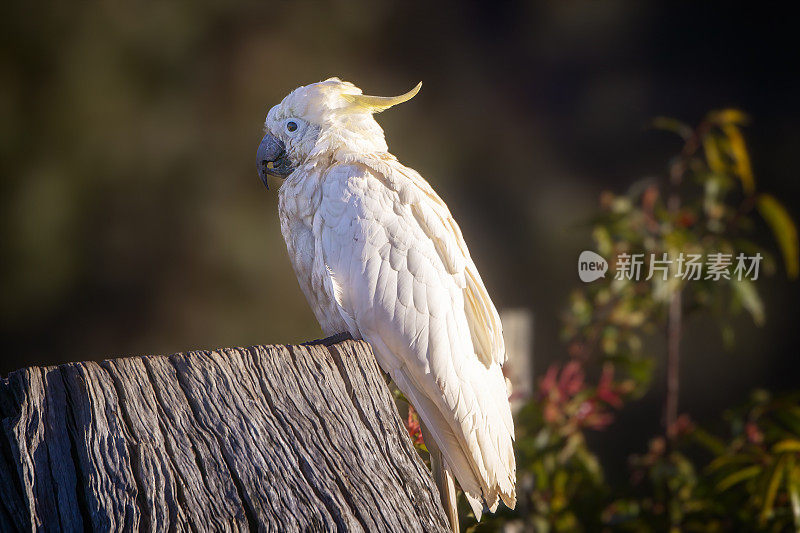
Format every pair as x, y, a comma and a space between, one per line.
443, 477
330, 341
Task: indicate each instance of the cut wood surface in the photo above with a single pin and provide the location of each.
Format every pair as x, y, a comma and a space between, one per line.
279, 438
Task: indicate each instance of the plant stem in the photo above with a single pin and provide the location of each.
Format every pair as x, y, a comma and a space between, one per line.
674, 320
675, 315
673, 364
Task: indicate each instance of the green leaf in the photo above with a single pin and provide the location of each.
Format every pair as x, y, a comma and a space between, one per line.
728, 336
746, 293
713, 444
738, 476
727, 460
790, 417
673, 125
784, 229
793, 488
772, 489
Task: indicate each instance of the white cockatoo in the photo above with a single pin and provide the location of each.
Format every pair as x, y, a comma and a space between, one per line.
379, 256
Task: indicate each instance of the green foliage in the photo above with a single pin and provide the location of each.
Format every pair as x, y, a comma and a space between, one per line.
666, 495
706, 206
748, 479
758, 472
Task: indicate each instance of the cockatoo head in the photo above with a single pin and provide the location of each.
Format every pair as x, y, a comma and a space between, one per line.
328, 118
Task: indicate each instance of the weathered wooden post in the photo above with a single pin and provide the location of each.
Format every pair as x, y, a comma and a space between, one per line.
287, 438
518, 334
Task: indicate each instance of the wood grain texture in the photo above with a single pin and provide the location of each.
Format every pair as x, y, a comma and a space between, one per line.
267, 438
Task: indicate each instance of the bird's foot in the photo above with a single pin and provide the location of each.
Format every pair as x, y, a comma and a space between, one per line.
333, 339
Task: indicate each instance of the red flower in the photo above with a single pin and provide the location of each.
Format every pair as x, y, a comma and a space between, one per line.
607, 390
683, 426
686, 219
571, 381
754, 434
414, 429
567, 400
547, 384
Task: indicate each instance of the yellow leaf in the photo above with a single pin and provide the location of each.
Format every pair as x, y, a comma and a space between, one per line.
741, 158
728, 116
713, 154
784, 229
786, 445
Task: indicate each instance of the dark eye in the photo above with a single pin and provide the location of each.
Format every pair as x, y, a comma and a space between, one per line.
291, 125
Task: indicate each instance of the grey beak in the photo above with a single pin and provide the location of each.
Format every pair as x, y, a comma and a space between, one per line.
271, 159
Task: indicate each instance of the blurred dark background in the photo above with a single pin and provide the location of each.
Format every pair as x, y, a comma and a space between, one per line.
133, 222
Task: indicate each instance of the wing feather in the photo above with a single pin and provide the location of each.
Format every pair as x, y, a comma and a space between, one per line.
405, 282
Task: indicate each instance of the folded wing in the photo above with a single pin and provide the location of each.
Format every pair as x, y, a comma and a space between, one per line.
401, 274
